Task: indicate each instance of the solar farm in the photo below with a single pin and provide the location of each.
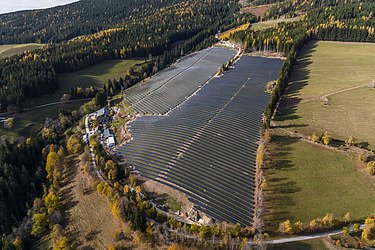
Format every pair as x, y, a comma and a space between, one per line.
206, 146
170, 87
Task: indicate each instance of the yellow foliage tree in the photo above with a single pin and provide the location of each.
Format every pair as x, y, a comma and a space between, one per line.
326, 138
51, 163
369, 230
285, 227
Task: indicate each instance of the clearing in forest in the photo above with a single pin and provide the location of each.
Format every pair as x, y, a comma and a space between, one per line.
9, 50
96, 76
332, 90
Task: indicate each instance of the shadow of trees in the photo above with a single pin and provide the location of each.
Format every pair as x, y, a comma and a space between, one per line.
281, 189
299, 78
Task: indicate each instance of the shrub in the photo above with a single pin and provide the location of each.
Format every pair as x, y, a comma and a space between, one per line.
285, 227
371, 167
350, 141
326, 138
314, 137
369, 230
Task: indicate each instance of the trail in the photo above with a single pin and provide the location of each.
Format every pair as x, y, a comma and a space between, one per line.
335, 92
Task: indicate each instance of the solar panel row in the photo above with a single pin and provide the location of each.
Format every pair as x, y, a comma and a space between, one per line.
205, 147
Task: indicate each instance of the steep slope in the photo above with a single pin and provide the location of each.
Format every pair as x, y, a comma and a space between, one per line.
65, 22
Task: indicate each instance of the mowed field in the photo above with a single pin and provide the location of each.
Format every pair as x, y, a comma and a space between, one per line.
342, 75
306, 181
8, 50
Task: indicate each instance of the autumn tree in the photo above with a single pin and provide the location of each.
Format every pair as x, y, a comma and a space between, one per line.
326, 138
350, 141
369, 230
40, 224
371, 167
74, 144
314, 137
285, 227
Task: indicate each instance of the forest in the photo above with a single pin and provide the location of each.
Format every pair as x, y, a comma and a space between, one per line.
55, 24
33, 74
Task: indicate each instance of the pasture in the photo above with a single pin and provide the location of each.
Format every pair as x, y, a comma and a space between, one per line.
330, 91
306, 181
9, 50
205, 147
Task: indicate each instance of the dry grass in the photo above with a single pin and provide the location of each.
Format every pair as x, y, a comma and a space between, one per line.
257, 10
89, 221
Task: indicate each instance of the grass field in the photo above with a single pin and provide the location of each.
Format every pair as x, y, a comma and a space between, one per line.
30, 122
96, 75
271, 23
13, 49
306, 181
340, 73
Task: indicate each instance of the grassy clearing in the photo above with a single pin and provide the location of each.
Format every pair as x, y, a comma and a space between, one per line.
13, 49
306, 181
325, 68
271, 23
96, 75
31, 122
257, 11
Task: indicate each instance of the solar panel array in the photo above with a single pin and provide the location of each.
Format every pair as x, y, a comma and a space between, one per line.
205, 147
170, 87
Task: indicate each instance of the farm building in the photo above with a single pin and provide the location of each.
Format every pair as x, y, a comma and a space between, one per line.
102, 115
108, 138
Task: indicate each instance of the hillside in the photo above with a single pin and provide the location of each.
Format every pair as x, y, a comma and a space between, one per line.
68, 21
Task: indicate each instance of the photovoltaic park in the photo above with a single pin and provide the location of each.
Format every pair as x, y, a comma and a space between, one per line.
206, 146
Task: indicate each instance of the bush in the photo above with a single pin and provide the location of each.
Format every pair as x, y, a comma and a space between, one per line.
326, 138
314, 137
371, 167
